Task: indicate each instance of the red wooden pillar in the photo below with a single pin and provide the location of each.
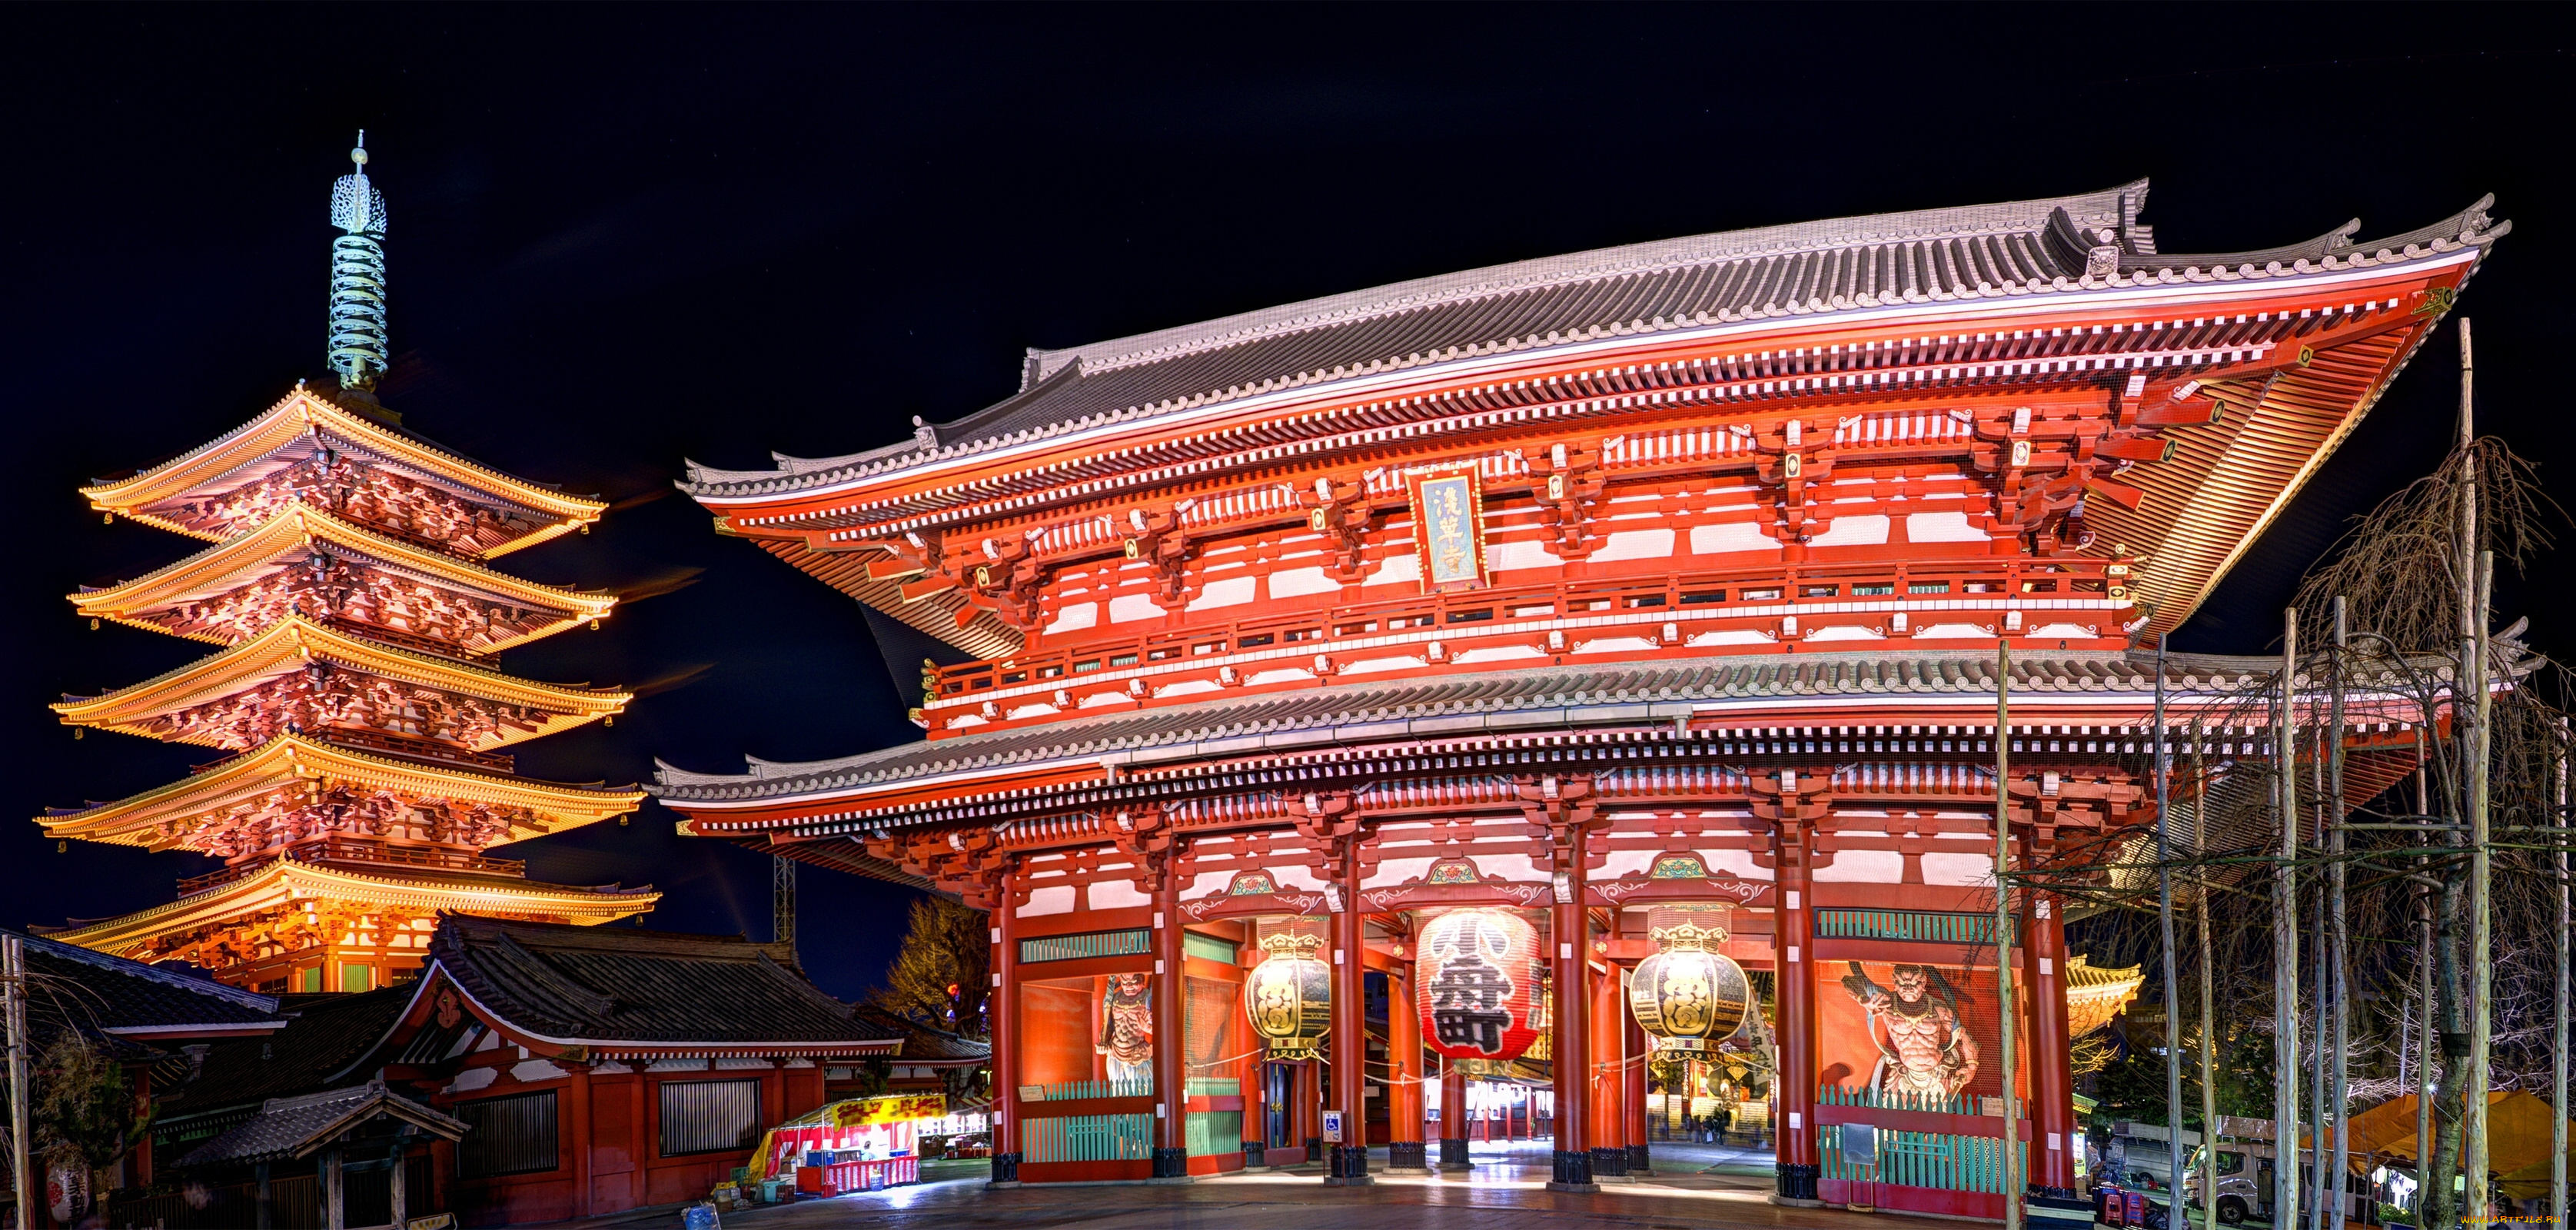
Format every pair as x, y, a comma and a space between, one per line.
1405, 1147
1349, 1166
579, 1093
1793, 946
1002, 1021
2052, 1085
1171, 1071
1453, 1116
1632, 1046
1569, 930
1308, 1099
1606, 1127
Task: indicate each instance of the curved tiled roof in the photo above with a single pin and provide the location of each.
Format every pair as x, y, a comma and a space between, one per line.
2057, 245
1498, 702
620, 984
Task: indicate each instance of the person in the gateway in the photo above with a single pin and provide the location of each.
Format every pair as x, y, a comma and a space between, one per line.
1926, 1048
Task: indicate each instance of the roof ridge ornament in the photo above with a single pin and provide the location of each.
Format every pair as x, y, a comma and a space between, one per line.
359, 348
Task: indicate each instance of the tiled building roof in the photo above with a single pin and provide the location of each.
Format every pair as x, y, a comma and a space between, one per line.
294, 1127
326, 1037
619, 984
133, 1002
1496, 701
2055, 245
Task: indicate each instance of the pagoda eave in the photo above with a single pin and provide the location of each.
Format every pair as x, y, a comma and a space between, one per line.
296, 644
286, 881
262, 551
162, 818
305, 413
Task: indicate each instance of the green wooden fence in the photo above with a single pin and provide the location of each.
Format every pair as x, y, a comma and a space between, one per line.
1067, 1091
1919, 1159
1092, 944
1088, 1138
1914, 925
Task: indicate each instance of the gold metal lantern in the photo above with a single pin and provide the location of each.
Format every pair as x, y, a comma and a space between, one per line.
1289, 996
1687, 995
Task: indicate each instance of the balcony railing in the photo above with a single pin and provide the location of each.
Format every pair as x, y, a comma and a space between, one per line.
1814, 596
349, 850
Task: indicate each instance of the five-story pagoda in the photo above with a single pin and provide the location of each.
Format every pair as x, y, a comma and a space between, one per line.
360, 722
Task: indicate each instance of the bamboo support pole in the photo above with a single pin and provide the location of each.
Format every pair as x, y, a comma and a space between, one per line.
2003, 931
2285, 941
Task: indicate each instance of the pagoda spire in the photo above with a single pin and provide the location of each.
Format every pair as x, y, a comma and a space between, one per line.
359, 351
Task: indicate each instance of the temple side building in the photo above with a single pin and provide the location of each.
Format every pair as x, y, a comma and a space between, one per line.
359, 727
1522, 637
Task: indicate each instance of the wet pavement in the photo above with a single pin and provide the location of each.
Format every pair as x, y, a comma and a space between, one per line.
1695, 1187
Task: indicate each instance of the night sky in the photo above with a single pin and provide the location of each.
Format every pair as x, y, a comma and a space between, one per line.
626, 236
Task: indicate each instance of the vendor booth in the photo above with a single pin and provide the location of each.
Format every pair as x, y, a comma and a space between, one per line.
860, 1144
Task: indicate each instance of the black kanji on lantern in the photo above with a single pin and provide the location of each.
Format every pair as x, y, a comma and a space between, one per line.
1468, 991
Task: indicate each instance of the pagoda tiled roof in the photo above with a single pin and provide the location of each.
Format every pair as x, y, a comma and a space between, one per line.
291, 426
291, 645
132, 1002
612, 985
2058, 246
421, 889
295, 1127
138, 820
1783, 690
228, 564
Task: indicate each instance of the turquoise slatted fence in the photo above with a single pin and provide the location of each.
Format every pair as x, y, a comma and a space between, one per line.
1093, 944
1088, 1138
1914, 925
1066, 1091
1920, 1159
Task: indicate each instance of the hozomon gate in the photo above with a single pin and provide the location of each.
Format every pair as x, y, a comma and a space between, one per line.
1578, 588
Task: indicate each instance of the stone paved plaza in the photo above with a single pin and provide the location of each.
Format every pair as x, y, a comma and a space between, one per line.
1695, 1186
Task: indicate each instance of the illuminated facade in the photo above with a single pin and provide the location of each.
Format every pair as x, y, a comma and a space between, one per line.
358, 728
1586, 588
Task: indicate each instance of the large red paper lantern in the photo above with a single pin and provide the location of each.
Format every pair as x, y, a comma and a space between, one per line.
1480, 984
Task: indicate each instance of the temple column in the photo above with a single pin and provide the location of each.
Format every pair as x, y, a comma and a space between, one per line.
1453, 1116
1405, 1150
1171, 1072
1309, 1101
1606, 1127
1571, 1049
1002, 1022
1793, 944
2052, 1085
1350, 1026
1632, 1046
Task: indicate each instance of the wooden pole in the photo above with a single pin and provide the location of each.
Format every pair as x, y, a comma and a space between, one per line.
2481, 917
2473, 780
13, 984
2338, 961
2320, 1044
2285, 941
2003, 931
335, 1213
2208, 989
398, 1179
2423, 1086
2165, 927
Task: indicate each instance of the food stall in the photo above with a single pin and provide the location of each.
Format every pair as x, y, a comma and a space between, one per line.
861, 1144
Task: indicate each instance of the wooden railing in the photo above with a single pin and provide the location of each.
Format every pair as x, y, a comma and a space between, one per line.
359, 850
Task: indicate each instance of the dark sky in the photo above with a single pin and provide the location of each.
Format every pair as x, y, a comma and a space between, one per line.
624, 236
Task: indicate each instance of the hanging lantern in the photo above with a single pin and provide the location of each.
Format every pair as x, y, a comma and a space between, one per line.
1687, 996
1480, 997
1289, 996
